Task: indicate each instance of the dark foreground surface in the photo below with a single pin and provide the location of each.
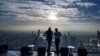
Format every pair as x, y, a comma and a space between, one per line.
17, 53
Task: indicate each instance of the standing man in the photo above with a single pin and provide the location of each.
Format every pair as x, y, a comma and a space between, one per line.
49, 34
57, 35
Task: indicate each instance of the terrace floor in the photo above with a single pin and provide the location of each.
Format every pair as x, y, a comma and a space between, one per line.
17, 53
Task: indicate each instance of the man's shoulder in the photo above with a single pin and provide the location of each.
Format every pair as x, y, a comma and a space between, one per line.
59, 32
51, 31
48, 31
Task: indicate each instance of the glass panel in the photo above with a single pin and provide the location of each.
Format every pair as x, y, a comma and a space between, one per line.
15, 40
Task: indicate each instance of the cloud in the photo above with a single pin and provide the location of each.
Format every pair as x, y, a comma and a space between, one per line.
70, 12
99, 11
39, 10
86, 4
29, 14
21, 9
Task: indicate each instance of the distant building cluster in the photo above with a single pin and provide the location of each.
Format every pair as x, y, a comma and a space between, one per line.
16, 40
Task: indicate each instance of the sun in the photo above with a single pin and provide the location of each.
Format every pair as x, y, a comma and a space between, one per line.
52, 16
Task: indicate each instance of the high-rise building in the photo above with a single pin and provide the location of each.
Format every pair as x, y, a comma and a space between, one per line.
98, 36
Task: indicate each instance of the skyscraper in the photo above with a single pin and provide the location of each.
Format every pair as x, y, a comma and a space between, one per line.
98, 36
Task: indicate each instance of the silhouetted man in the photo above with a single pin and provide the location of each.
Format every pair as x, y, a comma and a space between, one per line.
49, 34
57, 35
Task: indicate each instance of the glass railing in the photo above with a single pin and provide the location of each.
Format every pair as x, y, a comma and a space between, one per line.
16, 40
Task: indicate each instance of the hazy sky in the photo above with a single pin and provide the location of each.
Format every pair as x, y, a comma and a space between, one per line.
67, 15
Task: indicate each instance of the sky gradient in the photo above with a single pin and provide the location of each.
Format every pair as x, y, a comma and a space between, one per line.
67, 15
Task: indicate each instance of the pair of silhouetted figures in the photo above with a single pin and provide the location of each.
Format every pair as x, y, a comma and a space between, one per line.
49, 35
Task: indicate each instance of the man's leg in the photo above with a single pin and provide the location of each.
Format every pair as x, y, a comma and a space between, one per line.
49, 46
57, 45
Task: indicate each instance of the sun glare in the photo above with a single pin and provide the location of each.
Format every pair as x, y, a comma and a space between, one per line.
52, 15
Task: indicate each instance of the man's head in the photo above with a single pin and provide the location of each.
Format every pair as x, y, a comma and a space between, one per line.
56, 29
49, 28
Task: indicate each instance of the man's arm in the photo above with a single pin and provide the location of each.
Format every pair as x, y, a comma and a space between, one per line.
45, 33
60, 34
